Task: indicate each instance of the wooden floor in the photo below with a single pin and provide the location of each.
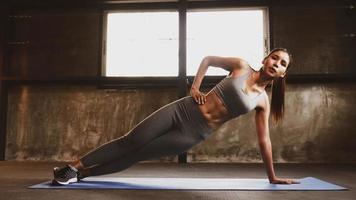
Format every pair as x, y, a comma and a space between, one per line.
15, 177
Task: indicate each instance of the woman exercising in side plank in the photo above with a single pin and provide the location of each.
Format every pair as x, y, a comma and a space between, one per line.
180, 125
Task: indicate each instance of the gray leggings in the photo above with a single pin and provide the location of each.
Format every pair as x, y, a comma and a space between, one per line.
171, 130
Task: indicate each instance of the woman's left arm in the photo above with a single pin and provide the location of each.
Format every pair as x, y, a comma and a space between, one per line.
261, 118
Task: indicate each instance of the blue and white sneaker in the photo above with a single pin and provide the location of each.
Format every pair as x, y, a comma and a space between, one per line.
65, 175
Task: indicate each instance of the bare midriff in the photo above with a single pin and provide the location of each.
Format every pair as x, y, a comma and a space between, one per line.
214, 110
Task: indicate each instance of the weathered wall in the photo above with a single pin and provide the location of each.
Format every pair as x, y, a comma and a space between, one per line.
61, 123
318, 127
320, 35
53, 43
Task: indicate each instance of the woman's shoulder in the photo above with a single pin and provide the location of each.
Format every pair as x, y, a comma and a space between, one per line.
243, 69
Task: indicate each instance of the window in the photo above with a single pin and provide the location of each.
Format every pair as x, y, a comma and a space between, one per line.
142, 44
145, 44
235, 33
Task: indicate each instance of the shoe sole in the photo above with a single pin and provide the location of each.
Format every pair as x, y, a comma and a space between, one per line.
72, 180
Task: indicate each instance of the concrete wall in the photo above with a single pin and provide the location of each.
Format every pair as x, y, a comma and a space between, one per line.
55, 43
318, 127
61, 123
320, 35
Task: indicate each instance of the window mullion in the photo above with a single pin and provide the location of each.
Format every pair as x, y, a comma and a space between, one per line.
182, 74
182, 83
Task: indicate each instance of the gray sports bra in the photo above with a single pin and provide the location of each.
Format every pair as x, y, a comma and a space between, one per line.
233, 97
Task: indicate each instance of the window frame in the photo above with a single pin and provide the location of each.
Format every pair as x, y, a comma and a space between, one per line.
182, 7
105, 22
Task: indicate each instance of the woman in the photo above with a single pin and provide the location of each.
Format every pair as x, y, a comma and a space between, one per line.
178, 126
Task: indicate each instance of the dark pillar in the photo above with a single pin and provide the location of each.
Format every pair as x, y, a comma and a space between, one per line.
182, 88
3, 85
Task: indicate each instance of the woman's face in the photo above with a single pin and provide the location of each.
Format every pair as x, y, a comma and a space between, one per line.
275, 65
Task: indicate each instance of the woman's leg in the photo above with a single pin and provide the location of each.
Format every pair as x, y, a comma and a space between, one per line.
172, 143
158, 123
171, 130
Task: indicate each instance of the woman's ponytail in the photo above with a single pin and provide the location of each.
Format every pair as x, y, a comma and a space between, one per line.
277, 101
278, 90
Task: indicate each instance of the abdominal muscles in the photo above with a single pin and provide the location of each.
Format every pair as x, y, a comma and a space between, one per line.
214, 110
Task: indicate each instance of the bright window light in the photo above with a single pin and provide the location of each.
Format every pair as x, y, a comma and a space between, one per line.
237, 33
142, 44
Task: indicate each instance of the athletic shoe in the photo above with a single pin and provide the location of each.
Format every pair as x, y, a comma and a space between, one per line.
55, 170
65, 175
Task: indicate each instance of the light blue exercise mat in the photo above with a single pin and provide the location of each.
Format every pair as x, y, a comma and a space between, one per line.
308, 183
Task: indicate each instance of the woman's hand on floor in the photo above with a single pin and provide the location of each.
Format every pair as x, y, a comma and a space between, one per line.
283, 181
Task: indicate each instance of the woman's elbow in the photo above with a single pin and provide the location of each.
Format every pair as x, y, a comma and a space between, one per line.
207, 59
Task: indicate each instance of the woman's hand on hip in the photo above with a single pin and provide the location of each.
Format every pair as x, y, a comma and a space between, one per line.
283, 181
198, 96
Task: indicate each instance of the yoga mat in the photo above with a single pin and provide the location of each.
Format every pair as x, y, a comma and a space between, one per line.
308, 183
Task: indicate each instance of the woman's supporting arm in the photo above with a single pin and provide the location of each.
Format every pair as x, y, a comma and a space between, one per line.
262, 127
264, 140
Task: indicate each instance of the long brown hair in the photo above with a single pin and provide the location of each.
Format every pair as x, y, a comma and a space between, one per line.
278, 90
